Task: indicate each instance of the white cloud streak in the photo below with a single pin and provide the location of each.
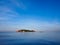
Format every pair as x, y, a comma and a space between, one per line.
7, 13
19, 4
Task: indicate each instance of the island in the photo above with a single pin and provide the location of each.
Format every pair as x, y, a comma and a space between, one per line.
25, 30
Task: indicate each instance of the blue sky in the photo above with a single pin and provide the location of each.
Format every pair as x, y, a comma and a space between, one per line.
29, 14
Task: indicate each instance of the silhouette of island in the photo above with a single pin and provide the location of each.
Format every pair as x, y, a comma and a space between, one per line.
25, 30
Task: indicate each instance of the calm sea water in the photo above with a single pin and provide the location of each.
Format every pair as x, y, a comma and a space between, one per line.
29, 38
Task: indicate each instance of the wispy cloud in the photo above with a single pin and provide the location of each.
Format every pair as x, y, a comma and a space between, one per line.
13, 4
6, 13
38, 25
3, 18
18, 4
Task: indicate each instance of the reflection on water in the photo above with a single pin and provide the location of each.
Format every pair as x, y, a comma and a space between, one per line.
29, 38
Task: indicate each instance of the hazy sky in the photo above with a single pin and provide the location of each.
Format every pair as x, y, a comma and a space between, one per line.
29, 14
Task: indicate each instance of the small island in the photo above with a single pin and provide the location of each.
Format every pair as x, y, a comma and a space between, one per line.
25, 30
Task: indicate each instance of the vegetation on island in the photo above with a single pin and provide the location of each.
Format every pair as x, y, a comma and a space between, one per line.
25, 30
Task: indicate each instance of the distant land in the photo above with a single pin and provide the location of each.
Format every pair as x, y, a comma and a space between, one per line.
25, 30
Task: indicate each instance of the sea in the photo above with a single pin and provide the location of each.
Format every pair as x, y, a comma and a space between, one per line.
29, 38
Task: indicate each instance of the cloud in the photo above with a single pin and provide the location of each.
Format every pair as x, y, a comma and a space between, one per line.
30, 24
3, 18
37, 25
7, 13
13, 4
7, 9
18, 4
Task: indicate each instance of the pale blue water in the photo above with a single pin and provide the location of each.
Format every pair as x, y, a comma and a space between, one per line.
29, 38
